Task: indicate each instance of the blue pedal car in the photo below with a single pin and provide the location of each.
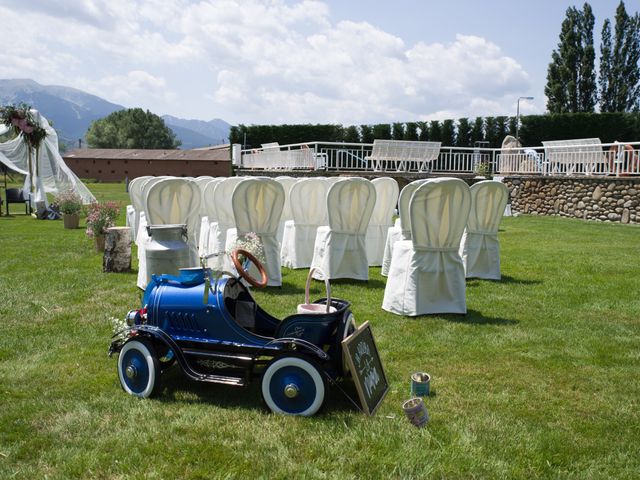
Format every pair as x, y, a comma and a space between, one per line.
216, 332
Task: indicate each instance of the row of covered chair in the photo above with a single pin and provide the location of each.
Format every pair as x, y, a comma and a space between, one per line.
447, 231
341, 226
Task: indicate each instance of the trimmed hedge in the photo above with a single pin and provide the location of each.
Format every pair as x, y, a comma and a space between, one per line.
608, 127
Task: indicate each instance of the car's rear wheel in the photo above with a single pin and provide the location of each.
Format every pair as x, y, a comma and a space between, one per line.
138, 368
293, 386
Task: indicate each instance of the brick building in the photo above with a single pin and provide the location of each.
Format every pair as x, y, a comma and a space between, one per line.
116, 164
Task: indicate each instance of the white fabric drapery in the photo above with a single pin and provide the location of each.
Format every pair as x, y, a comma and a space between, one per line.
480, 248
287, 183
427, 274
49, 172
308, 203
381, 218
340, 248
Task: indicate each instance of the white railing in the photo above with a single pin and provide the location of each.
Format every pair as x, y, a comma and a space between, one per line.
618, 159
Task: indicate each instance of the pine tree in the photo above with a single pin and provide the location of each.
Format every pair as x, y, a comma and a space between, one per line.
571, 82
397, 131
619, 67
463, 135
605, 74
366, 134
448, 133
435, 131
411, 131
477, 131
424, 131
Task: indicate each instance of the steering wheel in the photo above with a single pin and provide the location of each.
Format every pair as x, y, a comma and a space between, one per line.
244, 273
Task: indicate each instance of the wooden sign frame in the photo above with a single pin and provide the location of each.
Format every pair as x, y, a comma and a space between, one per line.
348, 345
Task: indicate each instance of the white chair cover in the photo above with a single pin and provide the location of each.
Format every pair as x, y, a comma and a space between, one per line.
308, 202
381, 219
257, 207
287, 183
426, 274
142, 237
174, 201
480, 248
340, 248
132, 213
137, 204
207, 214
222, 196
402, 228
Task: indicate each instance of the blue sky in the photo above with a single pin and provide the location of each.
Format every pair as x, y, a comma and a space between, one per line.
289, 61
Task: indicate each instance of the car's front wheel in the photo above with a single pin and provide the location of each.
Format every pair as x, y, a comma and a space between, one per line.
138, 368
293, 386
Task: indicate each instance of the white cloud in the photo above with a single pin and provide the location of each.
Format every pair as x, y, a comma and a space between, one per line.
255, 61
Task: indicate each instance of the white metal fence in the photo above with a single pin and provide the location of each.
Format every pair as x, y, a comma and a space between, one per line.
553, 158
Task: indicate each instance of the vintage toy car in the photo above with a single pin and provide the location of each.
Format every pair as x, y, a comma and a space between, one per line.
216, 332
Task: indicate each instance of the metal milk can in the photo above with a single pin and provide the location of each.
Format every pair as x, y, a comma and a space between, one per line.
167, 251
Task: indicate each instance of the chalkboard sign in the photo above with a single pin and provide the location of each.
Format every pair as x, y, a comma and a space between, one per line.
366, 369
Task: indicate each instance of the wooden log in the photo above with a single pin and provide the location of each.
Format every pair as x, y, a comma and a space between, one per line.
117, 250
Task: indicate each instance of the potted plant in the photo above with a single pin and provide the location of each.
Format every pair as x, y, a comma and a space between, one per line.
70, 205
100, 217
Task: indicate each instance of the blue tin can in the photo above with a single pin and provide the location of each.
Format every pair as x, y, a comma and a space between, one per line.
420, 384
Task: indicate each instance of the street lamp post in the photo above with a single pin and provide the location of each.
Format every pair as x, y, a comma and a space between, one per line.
518, 115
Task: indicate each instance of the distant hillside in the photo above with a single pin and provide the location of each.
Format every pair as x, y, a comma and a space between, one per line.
216, 129
71, 111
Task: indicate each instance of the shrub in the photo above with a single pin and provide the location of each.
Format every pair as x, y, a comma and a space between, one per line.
68, 203
101, 216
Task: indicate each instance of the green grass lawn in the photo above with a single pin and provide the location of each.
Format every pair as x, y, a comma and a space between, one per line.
540, 379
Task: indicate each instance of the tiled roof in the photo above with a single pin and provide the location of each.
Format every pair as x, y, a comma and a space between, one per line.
219, 153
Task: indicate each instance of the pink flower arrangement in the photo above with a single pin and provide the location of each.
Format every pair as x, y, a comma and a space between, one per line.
101, 216
23, 122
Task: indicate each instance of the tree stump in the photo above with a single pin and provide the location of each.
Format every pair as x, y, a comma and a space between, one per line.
117, 250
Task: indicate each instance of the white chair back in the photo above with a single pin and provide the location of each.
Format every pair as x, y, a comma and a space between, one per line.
174, 201
308, 201
403, 206
208, 199
488, 201
439, 210
257, 206
202, 182
222, 196
350, 203
386, 199
287, 183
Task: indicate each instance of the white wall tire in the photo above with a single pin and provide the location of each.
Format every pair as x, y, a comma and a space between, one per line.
293, 386
138, 368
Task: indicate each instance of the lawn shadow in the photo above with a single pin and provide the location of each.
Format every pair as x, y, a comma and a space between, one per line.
176, 387
473, 317
371, 283
506, 279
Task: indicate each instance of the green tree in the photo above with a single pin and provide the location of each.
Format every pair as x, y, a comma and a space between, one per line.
411, 131
382, 131
571, 85
477, 131
424, 131
448, 133
619, 63
463, 135
490, 131
131, 128
397, 131
366, 134
435, 131
512, 126
351, 134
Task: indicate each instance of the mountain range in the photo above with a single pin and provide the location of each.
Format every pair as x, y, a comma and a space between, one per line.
71, 111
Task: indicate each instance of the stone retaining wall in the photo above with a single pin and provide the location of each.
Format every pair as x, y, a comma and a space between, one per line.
590, 198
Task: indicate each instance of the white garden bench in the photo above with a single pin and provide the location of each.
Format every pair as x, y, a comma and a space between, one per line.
582, 155
397, 154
